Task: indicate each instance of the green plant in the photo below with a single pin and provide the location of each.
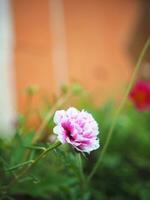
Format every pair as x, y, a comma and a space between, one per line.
31, 165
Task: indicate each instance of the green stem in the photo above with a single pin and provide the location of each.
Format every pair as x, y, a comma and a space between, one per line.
125, 97
58, 104
44, 153
80, 168
39, 134
34, 162
19, 165
34, 147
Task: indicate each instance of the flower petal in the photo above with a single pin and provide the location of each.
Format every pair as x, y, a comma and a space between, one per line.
59, 115
77, 128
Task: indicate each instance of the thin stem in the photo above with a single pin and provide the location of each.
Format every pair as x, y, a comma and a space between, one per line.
34, 162
39, 133
19, 165
58, 104
80, 168
44, 153
124, 99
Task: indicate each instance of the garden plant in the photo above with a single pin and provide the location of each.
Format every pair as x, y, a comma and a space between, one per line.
80, 151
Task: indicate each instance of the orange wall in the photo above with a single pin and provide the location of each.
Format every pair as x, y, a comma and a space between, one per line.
97, 33
32, 49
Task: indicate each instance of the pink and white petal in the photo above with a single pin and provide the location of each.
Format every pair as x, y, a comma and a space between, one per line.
72, 112
58, 130
75, 145
58, 116
62, 138
89, 136
90, 147
90, 130
95, 145
83, 148
77, 129
85, 115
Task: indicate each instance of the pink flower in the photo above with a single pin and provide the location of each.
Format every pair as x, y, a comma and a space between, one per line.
140, 95
77, 128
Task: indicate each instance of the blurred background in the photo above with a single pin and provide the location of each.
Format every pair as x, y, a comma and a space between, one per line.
60, 53
49, 43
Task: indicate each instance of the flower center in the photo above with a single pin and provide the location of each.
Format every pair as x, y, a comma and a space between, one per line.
68, 130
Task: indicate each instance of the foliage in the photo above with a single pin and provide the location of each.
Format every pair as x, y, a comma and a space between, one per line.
124, 173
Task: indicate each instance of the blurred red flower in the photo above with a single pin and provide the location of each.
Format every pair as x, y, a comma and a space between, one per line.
140, 95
